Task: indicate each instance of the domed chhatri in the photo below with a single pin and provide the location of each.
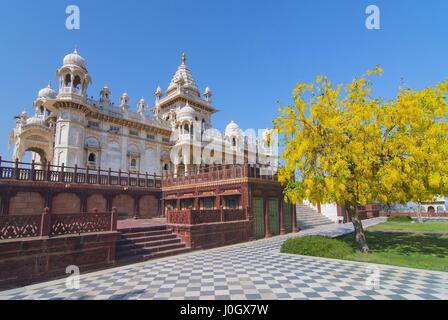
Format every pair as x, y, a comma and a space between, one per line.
186, 112
47, 93
75, 59
208, 95
232, 128
158, 92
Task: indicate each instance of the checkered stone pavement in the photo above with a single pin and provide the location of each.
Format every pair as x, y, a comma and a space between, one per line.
254, 270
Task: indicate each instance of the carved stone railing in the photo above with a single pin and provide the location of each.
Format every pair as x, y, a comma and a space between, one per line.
196, 217
63, 224
220, 172
52, 225
76, 175
26, 226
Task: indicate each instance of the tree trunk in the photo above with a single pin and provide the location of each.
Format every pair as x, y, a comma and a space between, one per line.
360, 237
419, 212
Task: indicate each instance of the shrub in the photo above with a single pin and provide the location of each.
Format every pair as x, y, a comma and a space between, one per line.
317, 246
399, 219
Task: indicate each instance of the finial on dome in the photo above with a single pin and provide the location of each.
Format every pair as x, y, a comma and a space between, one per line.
207, 93
184, 58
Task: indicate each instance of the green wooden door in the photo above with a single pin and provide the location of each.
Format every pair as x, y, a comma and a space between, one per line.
287, 216
274, 216
257, 207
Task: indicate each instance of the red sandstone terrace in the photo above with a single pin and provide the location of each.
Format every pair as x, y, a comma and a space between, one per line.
56, 216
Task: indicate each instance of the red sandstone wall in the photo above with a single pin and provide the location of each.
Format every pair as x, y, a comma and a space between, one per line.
124, 204
96, 201
212, 235
26, 203
65, 203
26, 261
149, 207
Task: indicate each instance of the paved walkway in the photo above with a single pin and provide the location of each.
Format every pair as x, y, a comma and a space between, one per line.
255, 270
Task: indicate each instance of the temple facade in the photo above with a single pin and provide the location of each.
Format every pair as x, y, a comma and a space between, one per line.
173, 136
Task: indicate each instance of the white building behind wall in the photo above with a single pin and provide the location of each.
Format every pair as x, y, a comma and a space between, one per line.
72, 129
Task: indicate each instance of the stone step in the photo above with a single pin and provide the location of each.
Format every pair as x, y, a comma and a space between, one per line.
310, 213
134, 235
149, 251
143, 229
124, 240
147, 244
308, 217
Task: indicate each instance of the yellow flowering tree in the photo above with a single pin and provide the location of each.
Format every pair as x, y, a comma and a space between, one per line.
342, 145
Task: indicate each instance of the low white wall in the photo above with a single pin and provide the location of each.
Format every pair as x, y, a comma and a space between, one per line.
330, 210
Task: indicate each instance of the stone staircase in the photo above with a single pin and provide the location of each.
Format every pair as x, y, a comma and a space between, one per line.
308, 217
143, 243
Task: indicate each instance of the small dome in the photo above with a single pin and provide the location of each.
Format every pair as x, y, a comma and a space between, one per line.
232, 129
105, 91
186, 112
208, 92
75, 59
141, 106
47, 93
158, 92
124, 101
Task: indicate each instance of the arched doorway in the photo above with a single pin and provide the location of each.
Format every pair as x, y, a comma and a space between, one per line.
37, 155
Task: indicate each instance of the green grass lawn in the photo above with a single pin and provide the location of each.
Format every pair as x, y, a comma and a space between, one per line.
428, 226
422, 251
395, 243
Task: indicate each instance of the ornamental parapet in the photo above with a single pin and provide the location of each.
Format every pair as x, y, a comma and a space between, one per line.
213, 173
34, 172
197, 217
53, 225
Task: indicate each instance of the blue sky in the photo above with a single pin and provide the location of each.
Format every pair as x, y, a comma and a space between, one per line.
250, 53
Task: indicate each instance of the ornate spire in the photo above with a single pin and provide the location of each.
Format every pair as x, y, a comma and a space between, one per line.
182, 77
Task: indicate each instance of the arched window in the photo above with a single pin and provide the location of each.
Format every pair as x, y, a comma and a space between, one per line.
68, 80
186, 128
234, 142
133, 163
77, 82
92, 158
166, 167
